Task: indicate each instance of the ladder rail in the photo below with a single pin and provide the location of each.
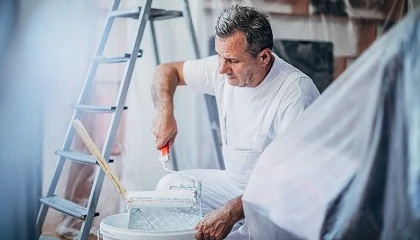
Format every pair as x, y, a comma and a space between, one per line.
154, 40
209, 100
191, 27
87, 86
76, 114
114, 122
92, 203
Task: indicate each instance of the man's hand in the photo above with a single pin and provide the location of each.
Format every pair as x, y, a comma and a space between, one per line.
164, 128
217, 224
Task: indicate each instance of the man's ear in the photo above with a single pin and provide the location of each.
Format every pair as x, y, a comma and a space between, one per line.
265, 56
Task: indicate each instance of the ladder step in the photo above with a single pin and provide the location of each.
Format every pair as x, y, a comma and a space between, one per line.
95, 108
79, 157
115, 59
66, 206
155, 13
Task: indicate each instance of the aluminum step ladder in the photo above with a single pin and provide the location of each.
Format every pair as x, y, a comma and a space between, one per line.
144, 14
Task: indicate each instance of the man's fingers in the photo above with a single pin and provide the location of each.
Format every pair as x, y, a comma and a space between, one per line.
171, 141
205, 231
199, 235
160, 144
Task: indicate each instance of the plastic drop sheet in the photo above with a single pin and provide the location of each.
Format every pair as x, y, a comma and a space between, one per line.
349, 167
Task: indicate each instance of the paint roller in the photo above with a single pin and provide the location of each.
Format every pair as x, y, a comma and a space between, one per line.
180, 197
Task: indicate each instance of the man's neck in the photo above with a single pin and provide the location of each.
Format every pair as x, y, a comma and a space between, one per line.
267, 69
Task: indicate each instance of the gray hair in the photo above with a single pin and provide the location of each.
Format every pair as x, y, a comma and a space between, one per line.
250, 21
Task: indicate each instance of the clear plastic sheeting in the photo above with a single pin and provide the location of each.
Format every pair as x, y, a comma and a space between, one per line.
349, 167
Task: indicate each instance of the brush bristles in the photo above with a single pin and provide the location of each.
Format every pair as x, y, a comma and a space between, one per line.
164, 158
166, 198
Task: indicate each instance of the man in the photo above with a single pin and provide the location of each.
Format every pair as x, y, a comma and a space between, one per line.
258, 96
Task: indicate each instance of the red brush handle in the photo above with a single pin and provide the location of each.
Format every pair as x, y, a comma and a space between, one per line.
165, 149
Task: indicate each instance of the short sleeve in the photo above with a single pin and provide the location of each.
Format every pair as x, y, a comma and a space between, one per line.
293, 111
298, 98
201, 74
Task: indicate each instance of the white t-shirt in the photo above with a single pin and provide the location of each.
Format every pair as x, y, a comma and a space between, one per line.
245, 108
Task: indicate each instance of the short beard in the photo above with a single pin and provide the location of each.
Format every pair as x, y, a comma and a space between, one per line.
247, 83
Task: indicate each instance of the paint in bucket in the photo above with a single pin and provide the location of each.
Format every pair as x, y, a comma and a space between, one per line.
115, 227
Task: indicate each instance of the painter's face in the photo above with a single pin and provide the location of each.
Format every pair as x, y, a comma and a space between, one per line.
238, 65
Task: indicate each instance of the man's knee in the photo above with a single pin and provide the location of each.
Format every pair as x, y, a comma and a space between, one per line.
185, 178
165, 182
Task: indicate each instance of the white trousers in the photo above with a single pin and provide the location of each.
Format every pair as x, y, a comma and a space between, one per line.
217, 188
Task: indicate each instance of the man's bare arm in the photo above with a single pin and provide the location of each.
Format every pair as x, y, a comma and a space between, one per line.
166, 78
218, 223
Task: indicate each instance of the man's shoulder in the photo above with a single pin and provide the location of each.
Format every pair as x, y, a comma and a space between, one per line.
206, 65
202, 75
299, 84
285, 70
302, 87
204, 60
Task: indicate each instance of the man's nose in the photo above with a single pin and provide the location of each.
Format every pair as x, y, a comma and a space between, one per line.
223, 66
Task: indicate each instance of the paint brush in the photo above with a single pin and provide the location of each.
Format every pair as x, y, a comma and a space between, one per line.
164, 157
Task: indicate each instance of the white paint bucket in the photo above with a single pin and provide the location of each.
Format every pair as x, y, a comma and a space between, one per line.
115, 227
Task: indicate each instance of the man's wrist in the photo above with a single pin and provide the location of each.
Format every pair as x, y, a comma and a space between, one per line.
236, 209
165, 107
